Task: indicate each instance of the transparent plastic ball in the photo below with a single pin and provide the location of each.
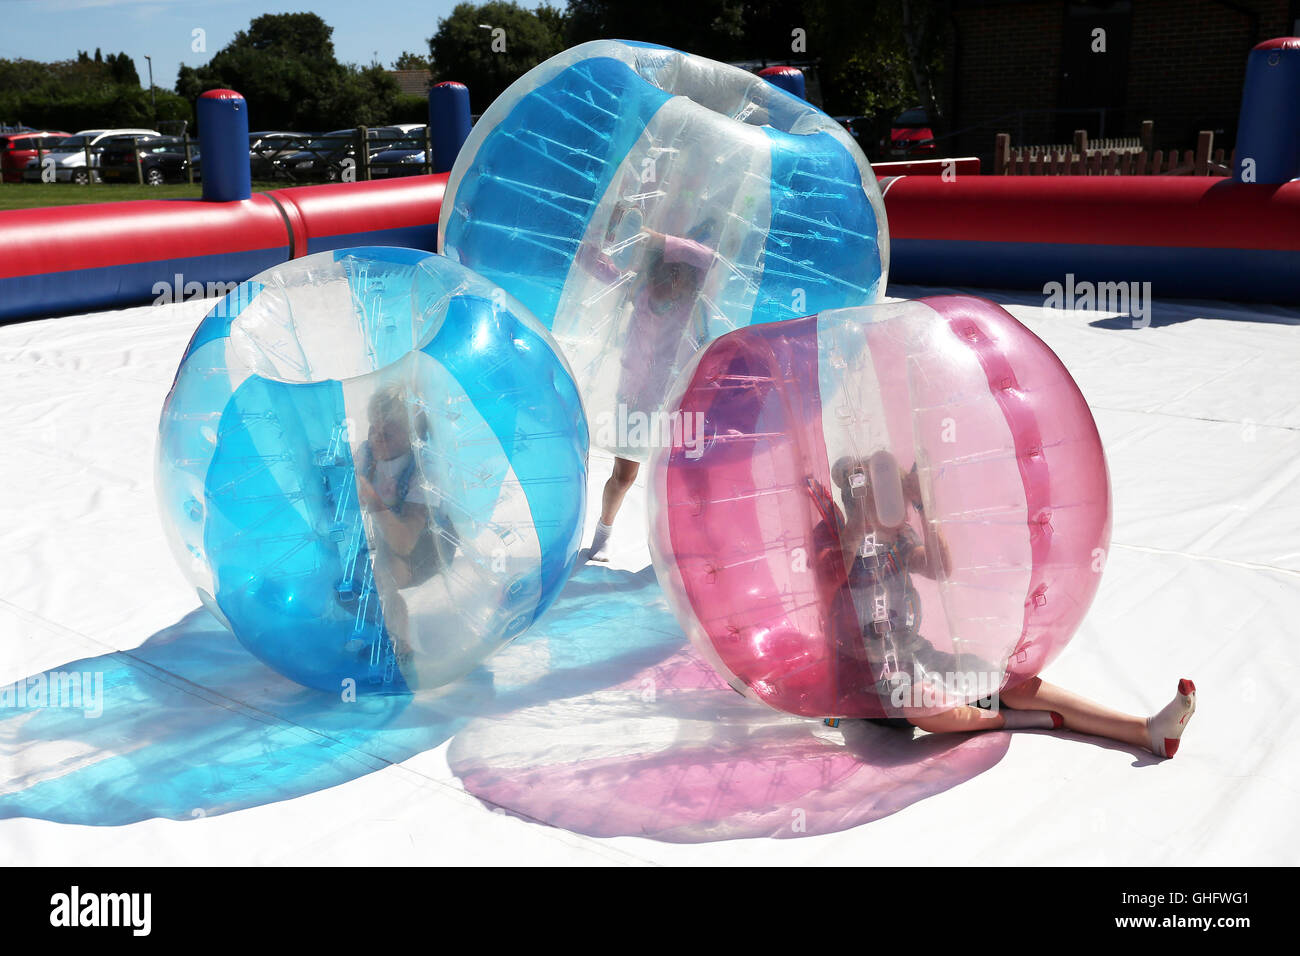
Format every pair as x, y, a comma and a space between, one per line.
888, 511
372, 467
642, 201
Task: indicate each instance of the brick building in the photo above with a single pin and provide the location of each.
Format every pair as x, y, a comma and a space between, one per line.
1032, 68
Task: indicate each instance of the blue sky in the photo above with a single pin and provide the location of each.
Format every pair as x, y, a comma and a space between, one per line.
56, 29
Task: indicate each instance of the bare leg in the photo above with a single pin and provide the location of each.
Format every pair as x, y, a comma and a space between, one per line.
1161, 734
1081, 715
960, 720
392, 573
620, 480
398, 620
616, 488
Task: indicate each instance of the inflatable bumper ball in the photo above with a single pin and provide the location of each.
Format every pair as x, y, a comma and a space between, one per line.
372, 467
642, 201
891, 510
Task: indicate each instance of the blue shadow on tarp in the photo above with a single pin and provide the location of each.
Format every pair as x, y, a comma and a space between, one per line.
192, 725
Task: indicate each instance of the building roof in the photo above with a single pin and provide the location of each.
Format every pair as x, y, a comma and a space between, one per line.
412, 81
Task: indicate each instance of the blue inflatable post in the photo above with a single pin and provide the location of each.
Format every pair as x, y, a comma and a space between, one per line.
788, 78
223, 146
1268, 134
449, 122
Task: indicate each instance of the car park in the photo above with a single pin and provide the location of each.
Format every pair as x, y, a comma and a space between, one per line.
328, 157
68, 158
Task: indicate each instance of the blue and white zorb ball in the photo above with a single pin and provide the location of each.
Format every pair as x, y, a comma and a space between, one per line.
641, 202
372, 466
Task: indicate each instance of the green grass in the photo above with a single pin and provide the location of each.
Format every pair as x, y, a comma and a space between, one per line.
38, 195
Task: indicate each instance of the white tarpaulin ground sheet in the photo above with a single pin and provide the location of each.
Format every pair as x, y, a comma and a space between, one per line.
600, 737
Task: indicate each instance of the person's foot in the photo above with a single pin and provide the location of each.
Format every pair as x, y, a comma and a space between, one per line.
1166, 728
599, 543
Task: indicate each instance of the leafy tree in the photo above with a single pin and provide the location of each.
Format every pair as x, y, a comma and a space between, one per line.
366, 96
284, 65
881, 58
712, 28
487, 61
84, 93
410, 108
874, 58
411, 61
122, 69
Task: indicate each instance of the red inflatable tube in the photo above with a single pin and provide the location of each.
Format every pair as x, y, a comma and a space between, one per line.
1114, 210
1186, 236
66, 238
396, 212
79, 258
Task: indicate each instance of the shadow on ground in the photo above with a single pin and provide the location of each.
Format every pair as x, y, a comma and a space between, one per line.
675, 755
599, 720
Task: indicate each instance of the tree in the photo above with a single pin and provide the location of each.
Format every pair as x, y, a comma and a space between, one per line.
489, 60
121, 68
713, 28
82, 93
877, 58
411, 61
874, 57
285, 67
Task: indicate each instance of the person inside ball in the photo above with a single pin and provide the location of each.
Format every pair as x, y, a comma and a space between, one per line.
872, 538
661, 314
870, 534
411, 534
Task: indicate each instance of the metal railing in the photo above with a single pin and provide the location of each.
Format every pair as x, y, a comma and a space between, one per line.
1018, 118
344, 158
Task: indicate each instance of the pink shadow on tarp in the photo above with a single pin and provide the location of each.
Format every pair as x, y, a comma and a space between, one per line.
675, 755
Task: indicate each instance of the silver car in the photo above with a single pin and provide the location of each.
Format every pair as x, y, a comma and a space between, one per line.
68, 159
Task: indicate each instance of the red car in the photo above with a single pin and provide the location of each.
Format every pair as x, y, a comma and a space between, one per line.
17, 148
910, 135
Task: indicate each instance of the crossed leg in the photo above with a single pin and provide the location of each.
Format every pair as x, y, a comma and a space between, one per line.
1160, 734
1080, 714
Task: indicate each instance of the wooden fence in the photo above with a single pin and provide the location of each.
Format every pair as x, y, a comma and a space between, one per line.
1110, 157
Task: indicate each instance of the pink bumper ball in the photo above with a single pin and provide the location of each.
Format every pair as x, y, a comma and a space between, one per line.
887, 511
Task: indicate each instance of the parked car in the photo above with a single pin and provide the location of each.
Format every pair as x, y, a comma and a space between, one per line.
162, 160
404, 158
325, 157
69, 158
910, 135
265, 147
16, 149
